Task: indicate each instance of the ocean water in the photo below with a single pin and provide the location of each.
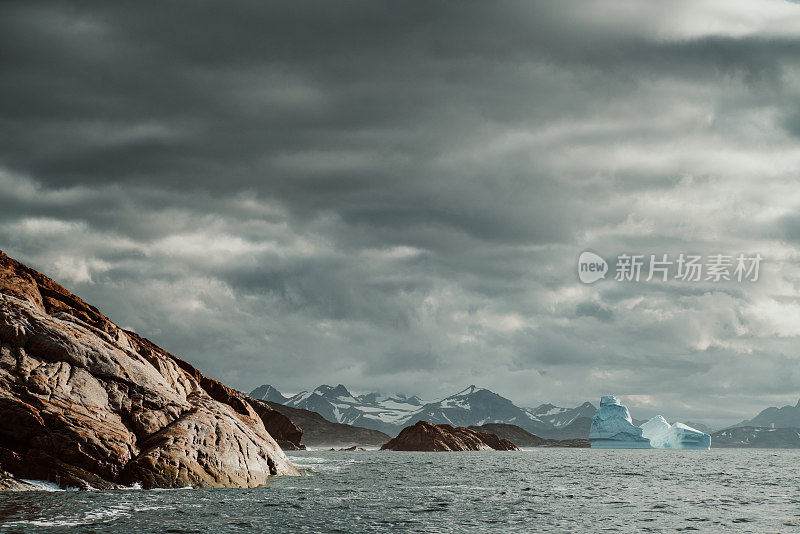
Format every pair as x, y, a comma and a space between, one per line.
538, 490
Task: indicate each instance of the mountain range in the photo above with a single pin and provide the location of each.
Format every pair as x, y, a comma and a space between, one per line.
269, 394
773, 427
757, 437
472, 406
319, 432
786, 417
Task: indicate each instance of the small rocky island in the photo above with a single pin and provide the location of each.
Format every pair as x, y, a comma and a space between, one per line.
85, 403
424, 436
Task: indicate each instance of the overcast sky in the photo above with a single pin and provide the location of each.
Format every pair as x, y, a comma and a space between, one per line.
393, 195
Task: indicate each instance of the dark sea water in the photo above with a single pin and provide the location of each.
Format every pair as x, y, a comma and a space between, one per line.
540, 490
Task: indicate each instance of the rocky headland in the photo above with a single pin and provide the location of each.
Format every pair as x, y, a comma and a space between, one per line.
85, 403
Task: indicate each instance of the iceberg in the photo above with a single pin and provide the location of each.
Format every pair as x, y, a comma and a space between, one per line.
613, 428
662, 435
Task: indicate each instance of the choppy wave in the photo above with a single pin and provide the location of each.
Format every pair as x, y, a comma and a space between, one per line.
321, 464
544, 490
103, 515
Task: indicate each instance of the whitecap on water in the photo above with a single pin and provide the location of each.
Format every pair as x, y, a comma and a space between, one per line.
42, 485
301, 460
318, 464
89, 518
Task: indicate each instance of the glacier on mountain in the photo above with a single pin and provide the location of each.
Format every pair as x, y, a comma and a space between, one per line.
613, 428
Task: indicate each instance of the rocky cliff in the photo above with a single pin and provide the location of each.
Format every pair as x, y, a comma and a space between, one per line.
86, 403
425, 436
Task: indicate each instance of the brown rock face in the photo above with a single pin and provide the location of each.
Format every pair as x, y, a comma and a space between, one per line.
425, 436
86, 403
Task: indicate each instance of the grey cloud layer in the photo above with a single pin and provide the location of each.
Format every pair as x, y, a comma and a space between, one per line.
394, 195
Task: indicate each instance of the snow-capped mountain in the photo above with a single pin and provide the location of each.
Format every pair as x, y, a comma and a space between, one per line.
386, 413
561, 417
269, 394
475, 407
471, 407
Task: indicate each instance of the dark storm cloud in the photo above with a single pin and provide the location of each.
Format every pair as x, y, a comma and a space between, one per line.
395, 195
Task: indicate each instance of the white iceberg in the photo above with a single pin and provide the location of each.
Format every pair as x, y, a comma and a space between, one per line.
662, 435
613, 428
